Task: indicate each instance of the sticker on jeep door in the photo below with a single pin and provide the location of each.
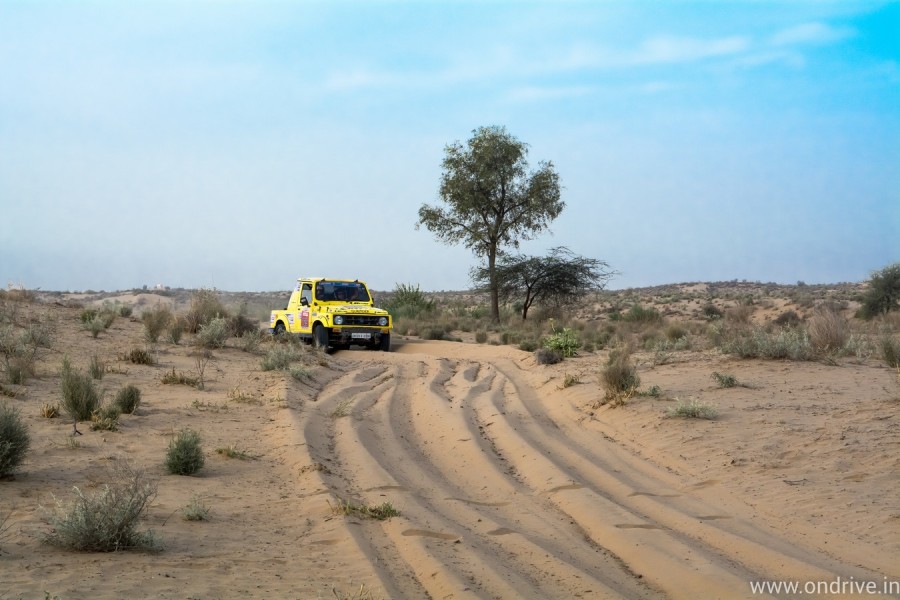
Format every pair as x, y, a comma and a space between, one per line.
304, 319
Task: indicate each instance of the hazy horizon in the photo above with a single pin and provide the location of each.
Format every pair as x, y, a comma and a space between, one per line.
240, 145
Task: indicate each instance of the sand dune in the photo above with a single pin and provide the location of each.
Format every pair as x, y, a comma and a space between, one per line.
508, 484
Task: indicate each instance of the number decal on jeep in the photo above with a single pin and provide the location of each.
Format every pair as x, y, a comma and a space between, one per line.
304, 319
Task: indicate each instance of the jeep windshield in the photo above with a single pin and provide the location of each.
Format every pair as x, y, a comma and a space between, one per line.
341, 291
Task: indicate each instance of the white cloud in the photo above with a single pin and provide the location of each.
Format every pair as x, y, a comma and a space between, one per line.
811, 33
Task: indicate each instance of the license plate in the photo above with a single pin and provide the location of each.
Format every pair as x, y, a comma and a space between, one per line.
361, 336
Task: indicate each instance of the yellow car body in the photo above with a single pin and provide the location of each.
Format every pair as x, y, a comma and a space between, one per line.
334, 314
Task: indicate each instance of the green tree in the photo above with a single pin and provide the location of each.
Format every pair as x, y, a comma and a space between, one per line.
559, 278
491, 199
883, 294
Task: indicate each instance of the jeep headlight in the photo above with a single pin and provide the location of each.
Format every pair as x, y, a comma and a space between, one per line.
383, 321
339, 320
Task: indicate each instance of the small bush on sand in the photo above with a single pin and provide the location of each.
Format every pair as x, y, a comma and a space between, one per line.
214, 333
106, 419
828, 331
128, 399
185, 454
547, 356
724, 380
619, 378
21, 348
139, 356
564, 341
107, 520
279, 357
176, 329
14, 439
196, 510
97, 368
80, 396
639, 314
380, 512
693, 409
155, 322
205, 306
890, 351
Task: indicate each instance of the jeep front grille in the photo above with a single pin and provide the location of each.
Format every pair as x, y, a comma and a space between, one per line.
366, 320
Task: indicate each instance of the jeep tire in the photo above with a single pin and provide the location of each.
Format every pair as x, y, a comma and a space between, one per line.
385, 343
320, 337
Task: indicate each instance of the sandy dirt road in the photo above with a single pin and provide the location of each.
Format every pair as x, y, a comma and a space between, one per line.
508, 491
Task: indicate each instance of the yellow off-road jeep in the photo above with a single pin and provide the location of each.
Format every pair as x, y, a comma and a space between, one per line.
334, 314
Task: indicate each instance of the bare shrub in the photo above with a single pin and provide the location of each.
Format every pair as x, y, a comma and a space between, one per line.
107, 520
619, 378
205, 306
739, 314
547, 356
828, 331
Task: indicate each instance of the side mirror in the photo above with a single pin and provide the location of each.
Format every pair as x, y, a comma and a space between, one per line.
304, 302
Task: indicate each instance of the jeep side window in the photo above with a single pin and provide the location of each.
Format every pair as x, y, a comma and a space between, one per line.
306, 295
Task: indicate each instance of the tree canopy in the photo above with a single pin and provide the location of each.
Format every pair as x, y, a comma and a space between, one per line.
559, 278
883, 294
490, 198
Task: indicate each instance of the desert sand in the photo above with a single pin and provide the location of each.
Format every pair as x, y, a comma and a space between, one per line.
508, 484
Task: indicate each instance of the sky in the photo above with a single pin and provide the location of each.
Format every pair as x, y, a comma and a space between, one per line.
240, 145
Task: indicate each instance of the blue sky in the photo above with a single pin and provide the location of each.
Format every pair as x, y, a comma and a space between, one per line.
240, 145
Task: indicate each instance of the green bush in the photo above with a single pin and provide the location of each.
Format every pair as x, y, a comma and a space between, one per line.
883, 294
693, 409
128, 399
565, 342
80, 396
95, 326
107, 520
279, 357
409, 302
214, 333
185, 455
792, 343
14, 439
481, 337
639, 314
725, 380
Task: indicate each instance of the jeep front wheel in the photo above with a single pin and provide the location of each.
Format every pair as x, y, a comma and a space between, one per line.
385, 345
279, 328
320, 337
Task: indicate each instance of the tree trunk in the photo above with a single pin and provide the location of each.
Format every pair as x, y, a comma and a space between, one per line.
495, 291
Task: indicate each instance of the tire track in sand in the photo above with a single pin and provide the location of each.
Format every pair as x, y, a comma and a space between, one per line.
506, 495
469, 529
